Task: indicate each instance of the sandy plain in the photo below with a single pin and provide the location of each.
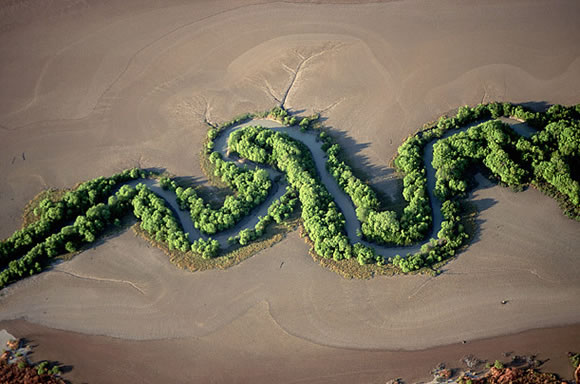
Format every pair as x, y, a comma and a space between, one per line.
89, 88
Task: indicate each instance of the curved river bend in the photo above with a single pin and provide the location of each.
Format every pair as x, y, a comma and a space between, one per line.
343, 201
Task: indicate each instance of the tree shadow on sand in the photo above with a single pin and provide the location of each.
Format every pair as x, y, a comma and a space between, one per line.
32, 344
474, 209
382, 178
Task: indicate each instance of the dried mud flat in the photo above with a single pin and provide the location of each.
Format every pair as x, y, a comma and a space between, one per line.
90, 88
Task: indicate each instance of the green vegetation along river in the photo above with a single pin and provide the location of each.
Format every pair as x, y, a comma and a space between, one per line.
277, 164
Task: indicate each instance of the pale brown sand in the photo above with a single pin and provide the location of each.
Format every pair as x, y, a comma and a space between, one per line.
253, 349
125, 288
87, 89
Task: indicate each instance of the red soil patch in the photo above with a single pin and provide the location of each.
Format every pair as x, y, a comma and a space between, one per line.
12, 374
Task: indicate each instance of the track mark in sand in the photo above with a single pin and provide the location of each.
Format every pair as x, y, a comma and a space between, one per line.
101, 279
330, 106
484, 96
294, 77
416, 291
505, 89
296, 72
535, 273
206, 116
489, 271
271, 92
288, 69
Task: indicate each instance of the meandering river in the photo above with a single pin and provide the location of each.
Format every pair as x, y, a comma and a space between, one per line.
343, 201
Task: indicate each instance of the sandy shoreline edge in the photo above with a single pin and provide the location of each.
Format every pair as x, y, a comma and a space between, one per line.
90, 355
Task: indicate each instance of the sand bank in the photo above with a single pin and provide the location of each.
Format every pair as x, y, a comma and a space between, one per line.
96, 87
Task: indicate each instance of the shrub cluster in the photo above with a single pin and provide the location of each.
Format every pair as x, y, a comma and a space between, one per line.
278, 211
52, 215
545, 160
251, 187
385, 227
85, 229
281, 115
206, 248
491, 143
158, 220
323, 222
555, 155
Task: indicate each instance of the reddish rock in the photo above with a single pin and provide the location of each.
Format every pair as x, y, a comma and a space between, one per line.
516, 376
11, 374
